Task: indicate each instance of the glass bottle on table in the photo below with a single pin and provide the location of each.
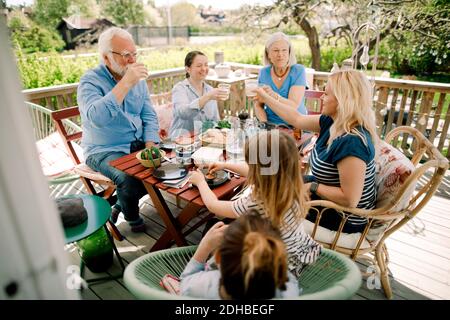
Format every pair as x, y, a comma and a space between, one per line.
250, 127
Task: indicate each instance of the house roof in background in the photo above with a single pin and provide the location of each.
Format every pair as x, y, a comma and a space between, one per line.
77, 22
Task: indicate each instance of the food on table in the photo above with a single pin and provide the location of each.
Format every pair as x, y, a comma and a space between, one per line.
208, 124
224, 124
150, 153
210, 176
214, 136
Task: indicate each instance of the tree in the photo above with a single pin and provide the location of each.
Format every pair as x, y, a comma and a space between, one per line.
84, 8
184, 14
299, 11
124, 12
414, 26
425, 19
29, 37
152, 16
49, 13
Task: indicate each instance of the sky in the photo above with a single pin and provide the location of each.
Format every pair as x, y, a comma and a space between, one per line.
225, 5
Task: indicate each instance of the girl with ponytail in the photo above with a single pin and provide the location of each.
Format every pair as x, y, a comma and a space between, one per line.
274, 189
252, 263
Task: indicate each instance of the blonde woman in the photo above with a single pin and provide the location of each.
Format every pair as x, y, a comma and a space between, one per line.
277, 195
342, 161
283, 79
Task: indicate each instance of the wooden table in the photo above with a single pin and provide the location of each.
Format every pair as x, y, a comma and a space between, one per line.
174, 232
237, 100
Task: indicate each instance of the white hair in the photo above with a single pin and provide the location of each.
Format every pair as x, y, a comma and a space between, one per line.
276, 37
104, 41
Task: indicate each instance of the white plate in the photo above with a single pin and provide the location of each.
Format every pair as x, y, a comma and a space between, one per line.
169, 145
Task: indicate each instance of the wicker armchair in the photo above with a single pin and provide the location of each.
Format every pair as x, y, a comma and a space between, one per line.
430, 167
332, 276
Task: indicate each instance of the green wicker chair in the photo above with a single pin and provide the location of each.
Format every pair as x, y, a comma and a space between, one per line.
43, 127
332, 276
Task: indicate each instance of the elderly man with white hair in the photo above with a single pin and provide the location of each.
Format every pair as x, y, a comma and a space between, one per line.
117, 118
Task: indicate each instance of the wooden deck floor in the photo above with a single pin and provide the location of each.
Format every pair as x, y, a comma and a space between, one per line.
419, 252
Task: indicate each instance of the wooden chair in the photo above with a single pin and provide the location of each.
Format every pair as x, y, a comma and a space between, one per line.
313, 101
429, 169
87, 175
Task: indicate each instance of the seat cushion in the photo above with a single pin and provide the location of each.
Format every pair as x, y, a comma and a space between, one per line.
54, 157
392, 170
324, 235
85, 171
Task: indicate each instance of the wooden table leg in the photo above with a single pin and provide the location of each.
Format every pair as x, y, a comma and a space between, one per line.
187, 214
171, 223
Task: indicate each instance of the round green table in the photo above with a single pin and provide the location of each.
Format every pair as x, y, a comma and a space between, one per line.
98, 211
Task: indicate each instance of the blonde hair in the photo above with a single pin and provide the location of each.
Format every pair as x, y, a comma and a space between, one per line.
280, 191
354, 94
254, 261
276, 37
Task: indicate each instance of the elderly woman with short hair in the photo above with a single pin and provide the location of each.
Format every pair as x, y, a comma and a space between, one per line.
283, 79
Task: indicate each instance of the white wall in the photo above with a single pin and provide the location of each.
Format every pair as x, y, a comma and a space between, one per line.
31, 236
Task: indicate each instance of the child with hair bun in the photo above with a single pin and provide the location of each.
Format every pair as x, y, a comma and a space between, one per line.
252, 263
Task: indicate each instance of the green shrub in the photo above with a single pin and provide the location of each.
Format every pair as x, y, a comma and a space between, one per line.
30, 37
329, 55
410, 55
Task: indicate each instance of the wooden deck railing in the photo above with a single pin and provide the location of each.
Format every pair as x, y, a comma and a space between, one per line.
420, 104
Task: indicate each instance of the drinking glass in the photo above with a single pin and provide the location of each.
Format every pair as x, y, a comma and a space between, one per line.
139, 59
225, 90
250, 86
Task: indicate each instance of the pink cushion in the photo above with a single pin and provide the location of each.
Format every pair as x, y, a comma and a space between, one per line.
392, 170
165, 115
54, 157
85, 171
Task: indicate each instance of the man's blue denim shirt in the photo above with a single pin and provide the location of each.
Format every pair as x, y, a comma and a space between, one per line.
108, 126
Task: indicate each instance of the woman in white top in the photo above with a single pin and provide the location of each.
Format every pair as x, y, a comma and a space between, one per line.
193, 99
